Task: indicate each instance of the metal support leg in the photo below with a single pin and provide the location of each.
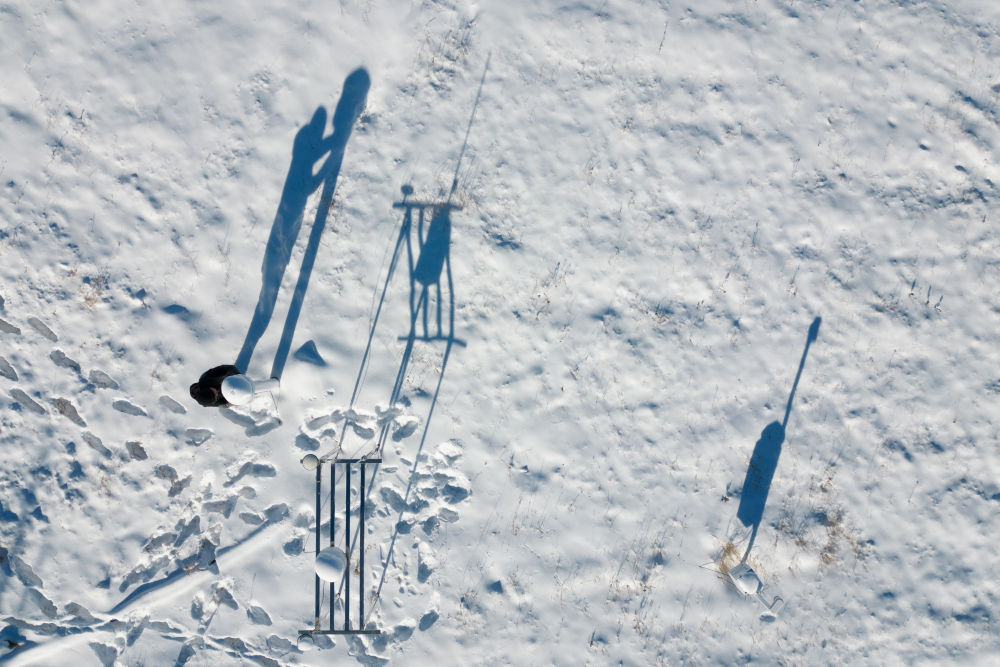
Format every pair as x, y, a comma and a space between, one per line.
333, 534
319, 485
347, 550
361, 555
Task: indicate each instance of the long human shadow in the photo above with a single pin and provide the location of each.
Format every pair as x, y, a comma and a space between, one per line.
764, 460
310, 146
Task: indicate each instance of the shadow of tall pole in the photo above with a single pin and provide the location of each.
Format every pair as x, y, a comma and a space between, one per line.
309, 148
764, 460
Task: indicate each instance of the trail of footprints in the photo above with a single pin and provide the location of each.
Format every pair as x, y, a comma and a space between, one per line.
437, 488
363, 424
38, 403
414, 501
190, 544
417, 501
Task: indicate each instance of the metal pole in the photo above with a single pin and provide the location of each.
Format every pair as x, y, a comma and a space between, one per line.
361, 553
333, 531
347, 550
319, 482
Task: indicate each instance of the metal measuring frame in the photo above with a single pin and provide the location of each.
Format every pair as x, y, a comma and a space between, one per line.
347, 629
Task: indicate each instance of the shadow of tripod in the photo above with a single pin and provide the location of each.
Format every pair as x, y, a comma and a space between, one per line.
425, 233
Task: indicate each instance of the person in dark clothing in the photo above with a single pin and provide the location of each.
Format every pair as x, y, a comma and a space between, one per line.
208, 389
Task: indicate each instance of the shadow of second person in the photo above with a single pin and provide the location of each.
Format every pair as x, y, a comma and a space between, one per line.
308, 149
760, 472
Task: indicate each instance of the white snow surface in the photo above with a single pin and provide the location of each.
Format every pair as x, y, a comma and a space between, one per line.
654, 203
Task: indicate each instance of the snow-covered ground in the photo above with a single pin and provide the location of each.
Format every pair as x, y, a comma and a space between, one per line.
716, 282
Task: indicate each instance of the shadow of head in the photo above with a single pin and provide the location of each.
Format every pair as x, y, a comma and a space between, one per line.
316, 124
352, 100
814, 330
760, 472
309, 138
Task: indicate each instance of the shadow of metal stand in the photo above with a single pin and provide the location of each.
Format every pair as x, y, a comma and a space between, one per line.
433, 239
348, 567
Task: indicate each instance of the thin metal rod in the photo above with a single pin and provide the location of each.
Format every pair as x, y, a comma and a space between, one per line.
333, 533
454, 181
347, 550
319, 482
411, 203
361, 553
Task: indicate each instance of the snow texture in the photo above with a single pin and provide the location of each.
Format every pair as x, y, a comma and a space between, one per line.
654, 312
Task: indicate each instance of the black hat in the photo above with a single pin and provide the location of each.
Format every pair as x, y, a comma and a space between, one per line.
204, 395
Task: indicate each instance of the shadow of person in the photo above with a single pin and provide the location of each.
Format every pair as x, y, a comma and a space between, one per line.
760, 472
764, 460
309, 147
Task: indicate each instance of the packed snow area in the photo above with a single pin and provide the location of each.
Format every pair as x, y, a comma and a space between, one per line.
679, 346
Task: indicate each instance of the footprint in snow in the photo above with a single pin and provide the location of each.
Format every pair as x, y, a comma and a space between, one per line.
428, 619
60, 359
7, 370
143, 572
68, 410
317, 423
384, 414
405, 427
403, 631
41, 328
252, 469
186, 529
254, 424
178, 486
197, 436
165, 401
157, 542
24, 572
363, 432
251, 518
294, 546
7, 327
102, 380
426, 562
264, 428
95, 443
122, 405
136, 451
26, 402
257, 615
165, 472
223, 507
437, 487
80, 615
106, 653
306, 442
135, 630
46, 605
